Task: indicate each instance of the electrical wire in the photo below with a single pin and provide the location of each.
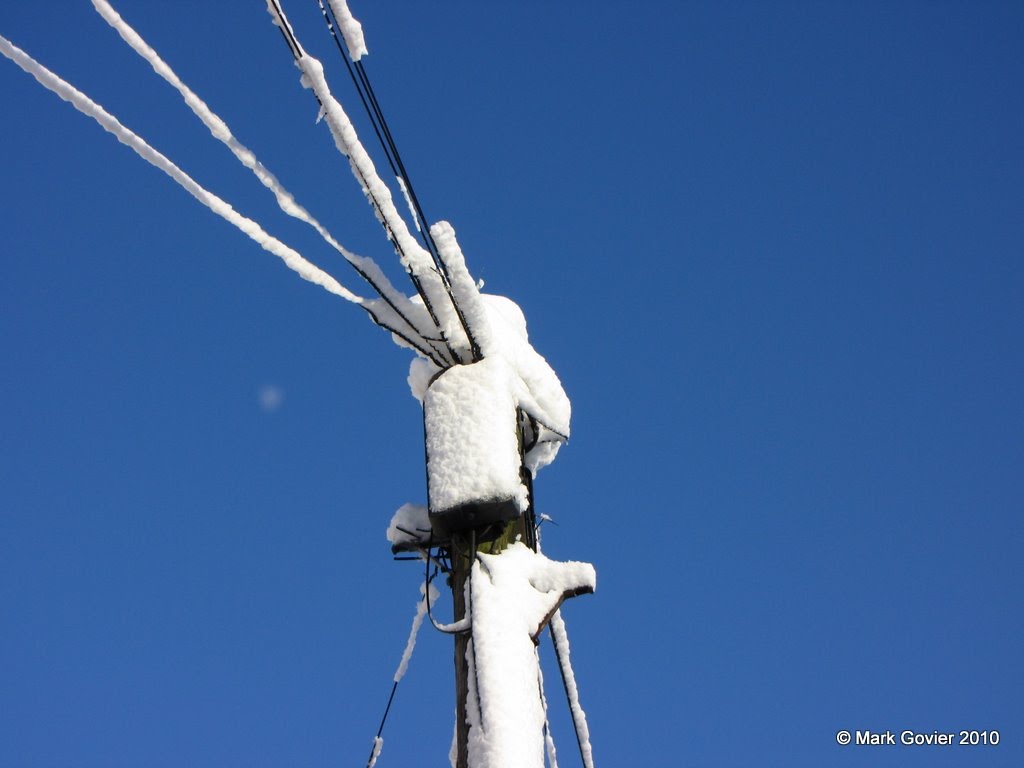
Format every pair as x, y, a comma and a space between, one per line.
442, 357
371, 105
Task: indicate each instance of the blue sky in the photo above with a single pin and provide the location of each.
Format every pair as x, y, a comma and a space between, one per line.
775, 253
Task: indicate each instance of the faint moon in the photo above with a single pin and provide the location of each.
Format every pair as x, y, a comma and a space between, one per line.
271, 398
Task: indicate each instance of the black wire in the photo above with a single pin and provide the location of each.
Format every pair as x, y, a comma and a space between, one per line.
355, 82
361, 81
428, 239
432, 353
380, 728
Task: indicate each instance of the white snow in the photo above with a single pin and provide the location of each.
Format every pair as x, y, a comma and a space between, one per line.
400, 320
87, 106
543, 398
511, 596
421, 373
378, 745
533, 386
549, 742
409, 525
408, 201
463, 289
579, 717
351, 29
471, 436
417, 621
413, 256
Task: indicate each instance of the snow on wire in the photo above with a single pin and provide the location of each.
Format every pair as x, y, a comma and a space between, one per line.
449, 323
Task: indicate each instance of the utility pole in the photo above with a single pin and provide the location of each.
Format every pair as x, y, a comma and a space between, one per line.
494, 411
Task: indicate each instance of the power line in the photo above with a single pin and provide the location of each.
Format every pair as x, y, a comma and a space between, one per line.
372, 107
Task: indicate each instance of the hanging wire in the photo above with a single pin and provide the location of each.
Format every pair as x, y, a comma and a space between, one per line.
564, 670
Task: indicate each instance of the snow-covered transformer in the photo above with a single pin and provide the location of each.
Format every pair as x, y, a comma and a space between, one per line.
489, 427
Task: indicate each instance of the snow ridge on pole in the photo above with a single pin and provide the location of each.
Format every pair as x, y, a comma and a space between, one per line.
513, 595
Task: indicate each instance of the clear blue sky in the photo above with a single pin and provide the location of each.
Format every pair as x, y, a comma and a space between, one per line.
775, 251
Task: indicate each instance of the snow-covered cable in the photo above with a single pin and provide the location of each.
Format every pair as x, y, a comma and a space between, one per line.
378, 744
560, 638
87, 106
417, 621
366, 268
427, 591
419, 263
350, 28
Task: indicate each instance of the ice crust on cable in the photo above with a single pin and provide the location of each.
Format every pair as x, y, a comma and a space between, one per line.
351, 29
292, 258
511, 595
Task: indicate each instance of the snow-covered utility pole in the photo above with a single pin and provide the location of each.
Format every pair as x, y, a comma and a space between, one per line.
494, 411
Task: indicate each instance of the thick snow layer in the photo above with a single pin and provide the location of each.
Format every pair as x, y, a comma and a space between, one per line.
464, 290
498, 327
350, 28
472, 444
511, 596
531, 384
421, 373
87, 106
409, 525
543, 396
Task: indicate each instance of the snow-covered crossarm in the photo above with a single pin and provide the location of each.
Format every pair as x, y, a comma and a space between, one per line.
87, 106
511, 597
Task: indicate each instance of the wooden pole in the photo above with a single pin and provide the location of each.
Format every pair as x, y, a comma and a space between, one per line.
463, 549
461, 564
